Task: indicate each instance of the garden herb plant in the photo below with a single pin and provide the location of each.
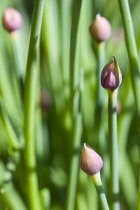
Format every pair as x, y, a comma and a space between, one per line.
55, 56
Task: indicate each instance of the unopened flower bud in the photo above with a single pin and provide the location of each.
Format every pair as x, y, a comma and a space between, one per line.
91, 162
100, 29
12, 20
111, 76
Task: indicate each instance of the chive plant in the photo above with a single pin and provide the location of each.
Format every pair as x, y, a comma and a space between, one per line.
52, 101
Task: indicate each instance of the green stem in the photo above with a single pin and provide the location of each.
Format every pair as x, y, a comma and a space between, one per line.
74, 166
65, 43
99, 102
29, 108
77, 133
134, 63
73, 70
102, 197
101, 63
113, 143
131, 49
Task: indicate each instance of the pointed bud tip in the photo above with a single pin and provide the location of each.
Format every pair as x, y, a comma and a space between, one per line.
91, 162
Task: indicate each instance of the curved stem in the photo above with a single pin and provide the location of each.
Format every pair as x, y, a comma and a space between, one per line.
29, 109
113, 144
131, 49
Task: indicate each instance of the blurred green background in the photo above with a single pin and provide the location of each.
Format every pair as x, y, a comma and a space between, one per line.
65, 46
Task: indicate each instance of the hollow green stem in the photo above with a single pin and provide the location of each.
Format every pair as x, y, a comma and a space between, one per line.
74, 46
99, 102
29, 108
98, 185
77, 133
134, 62
74, 165
101, 62
113, 144
131, 49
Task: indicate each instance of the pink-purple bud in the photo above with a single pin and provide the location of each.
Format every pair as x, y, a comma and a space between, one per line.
91, 162
111, 76
12, 20
100, 29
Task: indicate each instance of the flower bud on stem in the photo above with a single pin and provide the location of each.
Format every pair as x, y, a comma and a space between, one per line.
91, 163
111, 79
12, 20
100, 29
113, 147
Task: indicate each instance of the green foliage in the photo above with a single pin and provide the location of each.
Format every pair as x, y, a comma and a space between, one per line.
61, 111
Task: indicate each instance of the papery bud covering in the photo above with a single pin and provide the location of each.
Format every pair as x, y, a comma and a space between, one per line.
100, 29
91, 162
111, 76
12, 19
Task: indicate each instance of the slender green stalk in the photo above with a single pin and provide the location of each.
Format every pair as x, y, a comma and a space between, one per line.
73, 46
65, 42
51, 52
77, 133
102, 197
131, 49
101, 63
99, 102
29, 109
74, 165
74, 105
134, 62
113, 143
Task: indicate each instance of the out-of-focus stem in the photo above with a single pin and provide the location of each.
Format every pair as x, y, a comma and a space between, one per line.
131, 49
99, 102
134, 63
72, 186
29, 109
12, 199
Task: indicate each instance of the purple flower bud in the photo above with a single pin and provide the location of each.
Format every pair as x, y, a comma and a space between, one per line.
100, 29
111, 76
91, 162
12, 20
